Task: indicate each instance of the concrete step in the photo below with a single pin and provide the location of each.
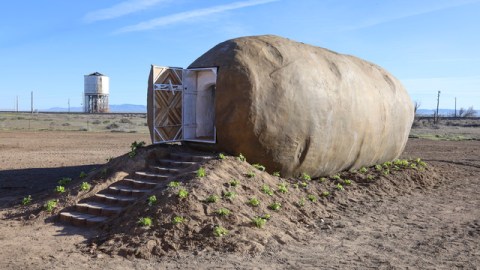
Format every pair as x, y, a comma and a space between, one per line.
152, 176
164, 170
175, 163
190, 157
114, 199
82, 219
126, 191
138, 183
98, 209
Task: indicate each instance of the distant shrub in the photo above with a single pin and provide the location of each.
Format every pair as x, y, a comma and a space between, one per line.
66, 124
112, 126
96, 122
125, 121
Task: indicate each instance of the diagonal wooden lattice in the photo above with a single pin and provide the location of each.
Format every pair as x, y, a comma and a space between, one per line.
168, 105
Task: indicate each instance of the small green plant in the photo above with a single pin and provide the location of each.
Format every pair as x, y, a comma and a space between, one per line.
347, 182
339, 186
27, 200
152, 200
259, 222
301, 202
325, 194
387, 164
201, 172
322, 180
229, 195
282, 188
50, 205
234, 183
420, 162
303, 184
177, 220
254, 202
277, 174
363, 170
336, 177
266, 189
378, 168
370, 177
82, 175
221, 156
219, 231
64, 181
223, 212
59, 189
134, 146
275, 206
174, 184
295, 186
401, 163
212, 199
386, 172
182, 193
241, 158
250, 174
306, 177
266, 216
85, 186
259, 167
311, 198
145, 221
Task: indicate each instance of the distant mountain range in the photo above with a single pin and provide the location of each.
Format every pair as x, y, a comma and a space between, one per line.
127, 108
441, 112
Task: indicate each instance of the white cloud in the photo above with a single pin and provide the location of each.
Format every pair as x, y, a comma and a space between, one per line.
189, 15
398, 15
120, 9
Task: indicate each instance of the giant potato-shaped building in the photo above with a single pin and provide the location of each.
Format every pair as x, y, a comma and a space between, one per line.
298, 108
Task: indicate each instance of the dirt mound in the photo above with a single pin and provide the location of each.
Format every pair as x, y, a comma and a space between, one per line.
218, 211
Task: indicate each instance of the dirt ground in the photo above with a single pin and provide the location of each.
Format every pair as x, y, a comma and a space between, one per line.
429, 228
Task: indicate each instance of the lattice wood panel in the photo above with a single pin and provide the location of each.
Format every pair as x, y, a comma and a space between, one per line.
168, 105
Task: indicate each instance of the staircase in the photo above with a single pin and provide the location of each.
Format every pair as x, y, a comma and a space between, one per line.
111, 201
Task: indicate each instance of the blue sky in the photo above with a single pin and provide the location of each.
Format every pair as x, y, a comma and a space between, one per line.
47, 46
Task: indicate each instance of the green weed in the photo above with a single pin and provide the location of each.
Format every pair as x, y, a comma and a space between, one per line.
182, 193
275, 206
134, 146
229, 195
221, 156
177, 220
303, 184
152, 200
363, 170
64, 181
85, 186
311, 198
259, 222
347, 182
201, 172
322, 180
259, 167
59, 189
266, 216
174, 184
234, 183
250, 174
336, 177
219, 231
306, 177
386, 172
325, 194
378, 167
254, 202
241, 158
301, 202
277, 174
145, 221
27, 200
223, 212
370, 177
50, 205
212, 199
266, 189
282, 188
339, 186
82, 175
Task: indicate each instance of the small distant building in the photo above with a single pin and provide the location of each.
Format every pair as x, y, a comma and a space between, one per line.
96, 91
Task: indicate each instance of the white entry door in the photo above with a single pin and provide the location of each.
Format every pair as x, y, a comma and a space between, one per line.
189, 116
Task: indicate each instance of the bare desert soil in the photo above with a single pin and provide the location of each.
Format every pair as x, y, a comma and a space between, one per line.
436, 227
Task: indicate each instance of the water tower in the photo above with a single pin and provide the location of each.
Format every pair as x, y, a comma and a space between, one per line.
97, 87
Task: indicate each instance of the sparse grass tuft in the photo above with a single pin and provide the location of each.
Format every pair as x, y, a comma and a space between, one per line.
277, 174
59, 189
250, 174
306, 177
182, 193
85, 186
266, 189
311, 198
241, 158
259, 222
201, 172
234, 183
229, 195
254, 202
50, 205
325, 194
27, 200
82, 175
177, 220
64, 181
152, 200
174, 184
212, 199
221, 156
275, 206
259, 167
223, 212
282, 188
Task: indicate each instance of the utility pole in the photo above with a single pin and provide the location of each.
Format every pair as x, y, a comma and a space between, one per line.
31, 102
455, 107
438, 103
